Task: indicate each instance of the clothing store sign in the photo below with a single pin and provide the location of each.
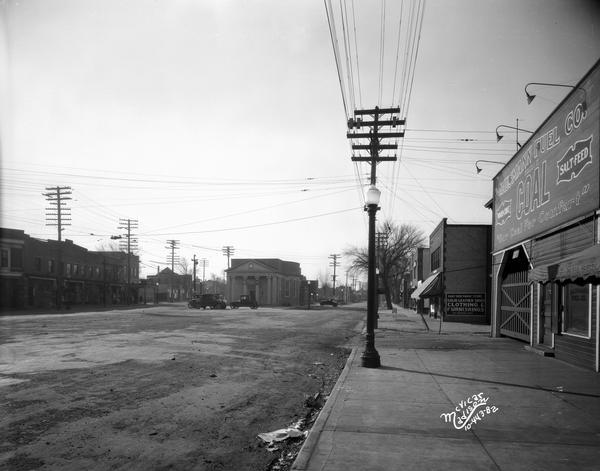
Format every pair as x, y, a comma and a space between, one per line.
465, 304
554, 177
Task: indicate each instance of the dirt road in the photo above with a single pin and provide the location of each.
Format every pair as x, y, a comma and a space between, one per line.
162, 388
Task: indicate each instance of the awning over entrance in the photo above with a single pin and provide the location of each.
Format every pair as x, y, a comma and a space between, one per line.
430, 287
583, 265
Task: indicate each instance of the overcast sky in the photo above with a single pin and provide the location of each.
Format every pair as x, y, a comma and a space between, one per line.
222, 122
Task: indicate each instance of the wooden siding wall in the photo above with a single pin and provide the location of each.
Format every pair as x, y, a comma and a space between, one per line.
577, 350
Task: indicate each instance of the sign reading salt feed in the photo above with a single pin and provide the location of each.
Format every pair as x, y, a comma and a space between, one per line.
554, 178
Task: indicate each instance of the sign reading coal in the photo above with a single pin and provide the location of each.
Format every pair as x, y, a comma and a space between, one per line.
553, 178
465, 304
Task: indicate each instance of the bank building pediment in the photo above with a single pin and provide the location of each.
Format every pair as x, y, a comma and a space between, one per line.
253, 266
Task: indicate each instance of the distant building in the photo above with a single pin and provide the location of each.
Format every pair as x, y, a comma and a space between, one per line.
35, 273
269, 281
420, 269
166, 286
459, 284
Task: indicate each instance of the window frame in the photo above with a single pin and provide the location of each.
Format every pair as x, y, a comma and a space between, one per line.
435, 259
5, 256
16, 259
564, 323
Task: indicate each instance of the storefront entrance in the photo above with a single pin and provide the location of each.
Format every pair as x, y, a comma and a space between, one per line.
548, 309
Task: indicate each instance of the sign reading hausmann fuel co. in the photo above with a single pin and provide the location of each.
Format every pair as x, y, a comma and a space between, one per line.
465, 304
554, 178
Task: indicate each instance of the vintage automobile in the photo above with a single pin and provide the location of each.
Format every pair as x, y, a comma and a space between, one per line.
213, 301
245, 301
328, 302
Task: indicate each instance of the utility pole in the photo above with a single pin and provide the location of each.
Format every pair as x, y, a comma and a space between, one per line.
129, 245
204, 265
172, 259
59, 215
370, 357
56, 197
375, 136
346, 290
228, 250
334, 263
195, 262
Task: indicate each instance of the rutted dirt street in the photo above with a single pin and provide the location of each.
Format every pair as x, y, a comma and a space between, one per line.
164, 387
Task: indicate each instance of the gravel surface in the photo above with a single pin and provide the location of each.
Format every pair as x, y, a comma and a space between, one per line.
167, 387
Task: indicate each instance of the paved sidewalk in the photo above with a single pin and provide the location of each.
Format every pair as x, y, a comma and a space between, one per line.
547, 413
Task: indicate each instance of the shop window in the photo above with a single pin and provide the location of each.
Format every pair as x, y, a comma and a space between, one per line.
577, 309
16, 259
4, 258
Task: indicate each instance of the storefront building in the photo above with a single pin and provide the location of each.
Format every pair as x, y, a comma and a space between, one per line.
458, 286
35, 273
420, 270
167, 286
546, 233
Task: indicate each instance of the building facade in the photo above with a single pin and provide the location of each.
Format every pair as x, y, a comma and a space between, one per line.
269, 281
420, 270
459, 284
166, 286
37, 273
546, 208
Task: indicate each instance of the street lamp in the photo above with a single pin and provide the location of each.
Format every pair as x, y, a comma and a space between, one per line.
530, 96
370, 357
487, 161
500, 136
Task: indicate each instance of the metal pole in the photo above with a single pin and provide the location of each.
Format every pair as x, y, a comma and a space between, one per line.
370, 357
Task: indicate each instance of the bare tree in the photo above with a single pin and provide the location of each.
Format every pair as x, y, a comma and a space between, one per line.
184, 266
393, 257
324, 282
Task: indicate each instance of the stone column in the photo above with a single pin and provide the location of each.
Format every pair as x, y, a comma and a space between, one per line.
269, 282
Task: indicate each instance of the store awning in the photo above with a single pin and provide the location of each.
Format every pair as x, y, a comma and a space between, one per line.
430, 287
583, 265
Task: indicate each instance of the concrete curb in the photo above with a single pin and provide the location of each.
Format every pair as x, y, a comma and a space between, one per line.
301, 461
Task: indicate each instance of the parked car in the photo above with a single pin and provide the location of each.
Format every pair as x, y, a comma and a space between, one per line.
245, 301
328, 302
213, 301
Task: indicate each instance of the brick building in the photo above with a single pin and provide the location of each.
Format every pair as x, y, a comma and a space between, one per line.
459, 284
166, 286
35, 273
420, 264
